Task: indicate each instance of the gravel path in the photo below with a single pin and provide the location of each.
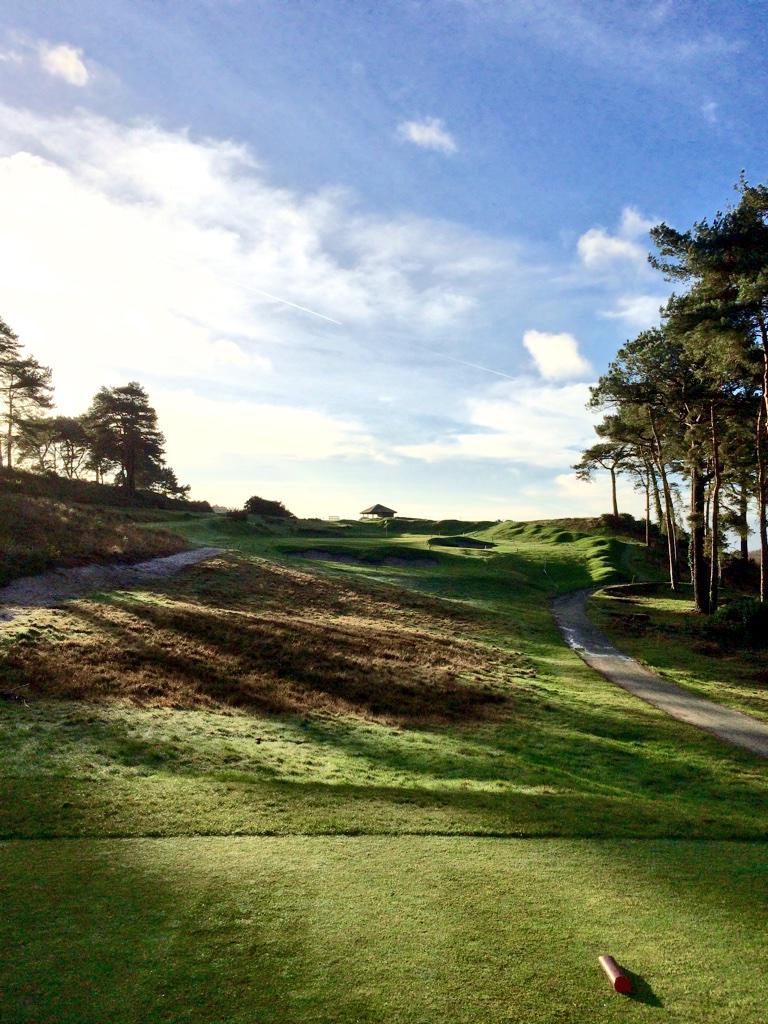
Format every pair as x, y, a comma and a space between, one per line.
570, 613
50, 588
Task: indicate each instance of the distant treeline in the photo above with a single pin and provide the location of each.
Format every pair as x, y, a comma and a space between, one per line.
117, 439
688, 401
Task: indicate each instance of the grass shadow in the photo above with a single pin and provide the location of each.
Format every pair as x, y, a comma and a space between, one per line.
641, 990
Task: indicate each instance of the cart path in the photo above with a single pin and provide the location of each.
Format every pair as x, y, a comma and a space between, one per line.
51, 588
593, 647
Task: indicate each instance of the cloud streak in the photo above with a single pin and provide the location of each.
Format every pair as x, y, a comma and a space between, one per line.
521, 423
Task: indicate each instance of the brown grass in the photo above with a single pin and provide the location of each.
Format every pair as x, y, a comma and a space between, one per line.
235, 633
37, 533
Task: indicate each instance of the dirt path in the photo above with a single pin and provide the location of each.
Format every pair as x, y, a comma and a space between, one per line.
740, 730
50, 588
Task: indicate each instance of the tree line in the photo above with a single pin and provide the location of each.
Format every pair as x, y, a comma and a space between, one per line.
688, 401
117, 438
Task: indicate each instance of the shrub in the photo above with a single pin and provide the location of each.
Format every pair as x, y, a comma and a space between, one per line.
264, 507
743, 621
740, 574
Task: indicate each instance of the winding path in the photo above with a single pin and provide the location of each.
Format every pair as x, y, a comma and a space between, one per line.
49, 588
593, 647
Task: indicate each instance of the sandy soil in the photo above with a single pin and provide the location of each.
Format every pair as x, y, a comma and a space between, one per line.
316, 555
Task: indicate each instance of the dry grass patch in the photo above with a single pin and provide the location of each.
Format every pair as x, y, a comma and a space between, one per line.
237, 633
36, 533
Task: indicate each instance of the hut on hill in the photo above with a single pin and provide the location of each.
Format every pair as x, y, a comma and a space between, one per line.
378, 512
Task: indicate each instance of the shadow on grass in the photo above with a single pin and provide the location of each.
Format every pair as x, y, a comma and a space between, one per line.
281, 663
641, 990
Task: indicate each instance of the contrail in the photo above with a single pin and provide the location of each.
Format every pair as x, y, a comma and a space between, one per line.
295, 305
440, 355
474, 366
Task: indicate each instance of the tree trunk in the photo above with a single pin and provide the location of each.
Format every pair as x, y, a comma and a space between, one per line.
696, 554
743, 521
714, 566
657, 500
762, 501
671, 530
647, 486
613, 493
764, 338
9, 437
669, 512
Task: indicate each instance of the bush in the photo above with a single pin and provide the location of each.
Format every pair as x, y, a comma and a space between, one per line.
741, 575
238, 513
744, 621
264, 507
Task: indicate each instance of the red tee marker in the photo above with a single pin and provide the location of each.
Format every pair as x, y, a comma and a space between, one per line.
618, 979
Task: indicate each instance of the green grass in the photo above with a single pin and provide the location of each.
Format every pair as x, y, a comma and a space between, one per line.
344, 863
662, 630
389, 929
566, 753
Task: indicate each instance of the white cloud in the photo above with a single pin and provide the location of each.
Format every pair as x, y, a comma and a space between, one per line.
556, 356
598, 249
63, 61
131, 251
592, 498
429, 133
212, 431
633, 224
636, 310
520, 422
11, 57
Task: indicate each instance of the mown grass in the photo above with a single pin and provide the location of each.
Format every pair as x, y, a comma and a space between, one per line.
663, 630
341, 930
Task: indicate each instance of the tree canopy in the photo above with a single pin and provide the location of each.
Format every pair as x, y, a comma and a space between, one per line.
690, 398
264, 507
119, 435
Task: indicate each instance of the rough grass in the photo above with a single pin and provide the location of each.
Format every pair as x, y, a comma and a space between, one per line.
270, 638
88, 492
37, 533
663, 631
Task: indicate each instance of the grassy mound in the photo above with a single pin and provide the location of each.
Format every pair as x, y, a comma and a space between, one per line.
428, 527
37, 533
87, 492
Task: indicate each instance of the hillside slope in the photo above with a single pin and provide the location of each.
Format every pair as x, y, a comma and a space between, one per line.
39, 533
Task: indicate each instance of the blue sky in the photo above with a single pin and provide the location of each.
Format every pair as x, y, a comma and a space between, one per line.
436, 184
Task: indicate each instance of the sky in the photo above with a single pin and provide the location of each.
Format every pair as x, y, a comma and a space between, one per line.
363, 252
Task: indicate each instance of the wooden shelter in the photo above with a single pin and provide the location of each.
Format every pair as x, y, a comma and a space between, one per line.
378, 512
